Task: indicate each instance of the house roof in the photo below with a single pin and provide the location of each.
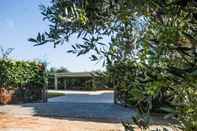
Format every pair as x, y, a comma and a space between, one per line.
75, 74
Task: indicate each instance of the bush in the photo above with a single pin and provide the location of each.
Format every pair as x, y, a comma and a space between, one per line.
158, 88
132, 85
90, 85
26, 78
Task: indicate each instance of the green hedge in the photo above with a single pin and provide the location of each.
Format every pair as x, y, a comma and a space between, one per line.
27, 80
21, 74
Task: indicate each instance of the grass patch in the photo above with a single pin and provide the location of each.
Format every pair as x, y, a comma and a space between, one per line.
55, 94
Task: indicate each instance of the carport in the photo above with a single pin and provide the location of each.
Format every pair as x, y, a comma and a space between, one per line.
77, 75
73, 75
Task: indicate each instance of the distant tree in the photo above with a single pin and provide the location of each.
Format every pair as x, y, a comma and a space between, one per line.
62, 69
58, 70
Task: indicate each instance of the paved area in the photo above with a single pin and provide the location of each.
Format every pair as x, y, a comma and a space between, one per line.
86, 105
12, 123
83, 97
84, 111
29, 123
94, 111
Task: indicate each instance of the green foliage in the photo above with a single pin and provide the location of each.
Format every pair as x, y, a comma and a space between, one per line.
90, 85
14, 74
142, 121
154, 59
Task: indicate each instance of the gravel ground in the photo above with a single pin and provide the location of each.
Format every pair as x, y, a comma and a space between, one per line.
28, 123
76, 111
99, 111
11, 123
83, 96
87, 105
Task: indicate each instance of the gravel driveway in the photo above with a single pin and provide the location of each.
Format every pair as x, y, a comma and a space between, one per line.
85, 105
83, 96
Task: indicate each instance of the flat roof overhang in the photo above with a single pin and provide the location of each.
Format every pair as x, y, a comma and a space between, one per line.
75, 74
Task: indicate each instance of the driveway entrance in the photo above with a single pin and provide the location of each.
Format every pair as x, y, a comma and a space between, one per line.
83, 96
84, 105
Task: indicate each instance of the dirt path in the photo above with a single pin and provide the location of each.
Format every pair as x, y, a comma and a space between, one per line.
10, 123
32, 123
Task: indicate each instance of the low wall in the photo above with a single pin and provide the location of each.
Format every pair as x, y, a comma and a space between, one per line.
20, 95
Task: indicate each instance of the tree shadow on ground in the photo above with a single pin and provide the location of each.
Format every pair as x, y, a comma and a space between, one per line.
102, 112
80, 107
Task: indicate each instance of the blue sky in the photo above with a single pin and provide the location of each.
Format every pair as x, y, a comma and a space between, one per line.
20, 20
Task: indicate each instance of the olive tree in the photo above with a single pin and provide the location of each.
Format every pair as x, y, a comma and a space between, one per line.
156, 38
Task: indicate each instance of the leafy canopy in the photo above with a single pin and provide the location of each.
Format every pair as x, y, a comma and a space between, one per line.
161, 47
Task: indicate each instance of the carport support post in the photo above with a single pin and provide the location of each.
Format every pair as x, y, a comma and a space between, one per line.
115, 93
55, 79
65, 84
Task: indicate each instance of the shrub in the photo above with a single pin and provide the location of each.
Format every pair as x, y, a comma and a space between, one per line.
26, 78
90, 85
